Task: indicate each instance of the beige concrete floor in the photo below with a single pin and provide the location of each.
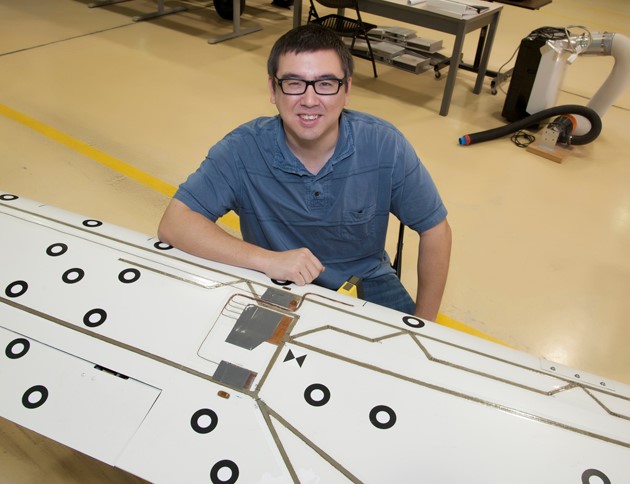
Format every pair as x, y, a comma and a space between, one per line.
541, 256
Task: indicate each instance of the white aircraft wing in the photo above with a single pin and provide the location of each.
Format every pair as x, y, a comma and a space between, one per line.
178, 369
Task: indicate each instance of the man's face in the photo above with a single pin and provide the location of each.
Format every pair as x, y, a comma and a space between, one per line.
310, 119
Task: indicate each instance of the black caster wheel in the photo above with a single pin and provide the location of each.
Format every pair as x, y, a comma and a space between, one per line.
225, 8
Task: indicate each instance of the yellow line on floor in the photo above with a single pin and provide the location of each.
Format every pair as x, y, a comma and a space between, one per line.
89, 151
230, 219
451, 323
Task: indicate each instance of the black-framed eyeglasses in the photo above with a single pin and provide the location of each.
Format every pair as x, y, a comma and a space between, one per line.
323, 87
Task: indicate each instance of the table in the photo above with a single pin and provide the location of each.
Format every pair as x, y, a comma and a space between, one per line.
530, 4
237, 31
459, 27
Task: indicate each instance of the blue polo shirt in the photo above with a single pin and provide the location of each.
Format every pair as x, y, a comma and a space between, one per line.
340, 214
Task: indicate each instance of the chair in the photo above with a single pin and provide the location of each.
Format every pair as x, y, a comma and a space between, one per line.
345, 26
397, 264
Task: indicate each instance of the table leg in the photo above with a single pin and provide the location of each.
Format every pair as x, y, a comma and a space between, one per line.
485, 57
236, 26
104, 3
297, 13
452, 71
161, 11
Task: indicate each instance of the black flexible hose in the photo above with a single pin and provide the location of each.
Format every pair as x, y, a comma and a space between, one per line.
592, 116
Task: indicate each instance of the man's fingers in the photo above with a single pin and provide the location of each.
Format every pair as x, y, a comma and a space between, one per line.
298, 265
305, 266
313, 269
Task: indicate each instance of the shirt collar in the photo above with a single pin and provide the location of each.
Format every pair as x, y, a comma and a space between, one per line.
286, 161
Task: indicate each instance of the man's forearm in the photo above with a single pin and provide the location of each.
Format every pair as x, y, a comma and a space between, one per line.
434, 253
191, 232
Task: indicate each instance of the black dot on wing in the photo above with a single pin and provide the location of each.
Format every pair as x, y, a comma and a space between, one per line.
601, 477
94, 317
198, 421
281, 283
381, 423
16, 289
413, 321
56, 250
72, 276
317, 395
8, 197
17, 348
128, 276
35, 396
224, 467
159, 245
92, 223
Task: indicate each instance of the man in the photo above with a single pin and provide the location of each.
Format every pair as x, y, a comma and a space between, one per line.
314, 186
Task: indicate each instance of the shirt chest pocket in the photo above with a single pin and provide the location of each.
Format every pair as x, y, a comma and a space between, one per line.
358, 224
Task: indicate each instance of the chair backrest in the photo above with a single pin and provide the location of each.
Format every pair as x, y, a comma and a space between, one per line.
338, 3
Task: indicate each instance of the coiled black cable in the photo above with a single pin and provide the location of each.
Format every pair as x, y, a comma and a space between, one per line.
522, 139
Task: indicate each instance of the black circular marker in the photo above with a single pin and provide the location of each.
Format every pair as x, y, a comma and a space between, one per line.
16, 289
72, 276
198, 415
159, 245
129, 276
218, 467
43, 396
588, 473
92, 223
56, 249
383, 409
89, 320
281, 283
308, 395
413, 321
21, 344
8, 197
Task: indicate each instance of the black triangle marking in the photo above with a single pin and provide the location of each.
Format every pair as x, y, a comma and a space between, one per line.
289, 356
300, 360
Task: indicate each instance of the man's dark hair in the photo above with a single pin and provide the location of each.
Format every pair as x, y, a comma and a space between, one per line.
309, 38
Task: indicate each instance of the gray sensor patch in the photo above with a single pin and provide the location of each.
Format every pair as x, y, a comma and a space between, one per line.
254, 326
234, 376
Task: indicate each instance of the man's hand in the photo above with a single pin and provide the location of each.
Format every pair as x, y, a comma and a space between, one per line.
299, 266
